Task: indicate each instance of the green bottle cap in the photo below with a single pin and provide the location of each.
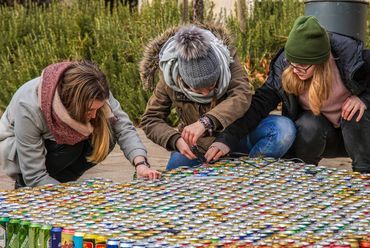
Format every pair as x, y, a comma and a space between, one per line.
14, 221
45, 227
35, 225
25, 223
4, 219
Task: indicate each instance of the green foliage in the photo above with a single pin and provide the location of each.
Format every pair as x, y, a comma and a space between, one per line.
266, 30
33, 37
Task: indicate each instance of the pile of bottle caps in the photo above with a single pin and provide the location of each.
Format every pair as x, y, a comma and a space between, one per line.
241, 202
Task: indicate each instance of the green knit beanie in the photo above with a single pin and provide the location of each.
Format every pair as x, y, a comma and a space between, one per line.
308, 43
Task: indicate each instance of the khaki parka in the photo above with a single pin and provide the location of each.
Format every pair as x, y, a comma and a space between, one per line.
229, 108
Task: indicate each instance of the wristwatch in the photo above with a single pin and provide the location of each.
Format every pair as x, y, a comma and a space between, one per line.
144, 162
207, 123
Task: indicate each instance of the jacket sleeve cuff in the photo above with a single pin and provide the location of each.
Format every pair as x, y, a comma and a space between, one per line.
365, 99
230, 140
44, 181
171, 144
137, 152
217, 126
224, 140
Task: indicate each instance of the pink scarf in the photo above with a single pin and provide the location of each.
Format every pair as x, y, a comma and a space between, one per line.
64, 129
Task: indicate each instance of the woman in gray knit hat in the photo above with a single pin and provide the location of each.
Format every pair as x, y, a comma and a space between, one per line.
201, 77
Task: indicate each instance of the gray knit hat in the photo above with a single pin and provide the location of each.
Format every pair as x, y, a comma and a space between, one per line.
199, 66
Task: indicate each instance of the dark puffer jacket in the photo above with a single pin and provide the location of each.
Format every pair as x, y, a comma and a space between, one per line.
353, 63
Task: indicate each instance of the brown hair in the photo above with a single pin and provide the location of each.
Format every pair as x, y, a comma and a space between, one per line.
319, 86
82, 84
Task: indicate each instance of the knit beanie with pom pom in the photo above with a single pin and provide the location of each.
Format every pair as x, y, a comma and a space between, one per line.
199, 66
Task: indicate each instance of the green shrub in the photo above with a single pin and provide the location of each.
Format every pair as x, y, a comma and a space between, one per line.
265, 33
33, 37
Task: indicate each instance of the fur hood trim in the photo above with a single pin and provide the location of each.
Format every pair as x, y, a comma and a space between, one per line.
150, 62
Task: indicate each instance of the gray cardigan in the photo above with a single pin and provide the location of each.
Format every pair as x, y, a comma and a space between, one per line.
23, 130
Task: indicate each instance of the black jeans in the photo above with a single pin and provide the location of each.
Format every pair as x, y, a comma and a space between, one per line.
317, 138
66, 162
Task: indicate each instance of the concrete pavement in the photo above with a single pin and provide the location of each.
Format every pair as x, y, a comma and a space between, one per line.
117, 167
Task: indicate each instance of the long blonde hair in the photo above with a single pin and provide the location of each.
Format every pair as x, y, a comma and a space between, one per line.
80, 85
319, 86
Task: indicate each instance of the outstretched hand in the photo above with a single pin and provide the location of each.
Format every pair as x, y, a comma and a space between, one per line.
144, 171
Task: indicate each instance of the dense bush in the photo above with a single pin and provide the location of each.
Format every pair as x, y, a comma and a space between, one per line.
33, 37
265, 33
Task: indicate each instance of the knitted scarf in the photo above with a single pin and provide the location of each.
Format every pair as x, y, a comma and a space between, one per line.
169, 66
64, 129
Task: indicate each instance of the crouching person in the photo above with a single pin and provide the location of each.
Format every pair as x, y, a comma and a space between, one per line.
201, 77
61, 124
322, 80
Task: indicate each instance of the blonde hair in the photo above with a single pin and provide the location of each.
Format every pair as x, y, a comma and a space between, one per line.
319, 86
80, 85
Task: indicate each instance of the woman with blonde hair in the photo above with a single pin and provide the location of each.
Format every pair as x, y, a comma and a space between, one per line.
59, 125
322, 80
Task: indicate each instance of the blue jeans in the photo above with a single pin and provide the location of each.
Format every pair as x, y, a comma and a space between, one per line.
271, 138
177, 160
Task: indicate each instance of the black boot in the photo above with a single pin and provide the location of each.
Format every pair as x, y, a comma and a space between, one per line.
19, 182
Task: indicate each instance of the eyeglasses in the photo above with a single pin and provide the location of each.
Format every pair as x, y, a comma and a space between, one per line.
300, 69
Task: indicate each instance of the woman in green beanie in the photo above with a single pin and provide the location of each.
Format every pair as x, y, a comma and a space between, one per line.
322, 80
